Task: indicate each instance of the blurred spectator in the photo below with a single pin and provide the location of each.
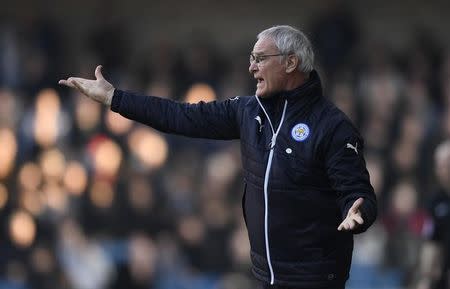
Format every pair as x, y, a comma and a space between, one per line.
380, 87
45, 272
10, 62
83, 261
10, 109
140, 269
434, 266
404, 223
201, 64
368, 261
335, 34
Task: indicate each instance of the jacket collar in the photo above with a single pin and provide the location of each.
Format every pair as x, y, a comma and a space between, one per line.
299, 99
306, 93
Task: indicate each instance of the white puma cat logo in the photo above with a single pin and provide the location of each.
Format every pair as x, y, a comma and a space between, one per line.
355, 148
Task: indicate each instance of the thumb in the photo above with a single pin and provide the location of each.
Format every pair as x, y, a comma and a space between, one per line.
98, 72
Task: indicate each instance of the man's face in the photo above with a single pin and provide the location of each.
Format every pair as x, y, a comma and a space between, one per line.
270, 72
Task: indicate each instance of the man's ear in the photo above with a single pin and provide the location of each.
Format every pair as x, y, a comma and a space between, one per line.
291, 63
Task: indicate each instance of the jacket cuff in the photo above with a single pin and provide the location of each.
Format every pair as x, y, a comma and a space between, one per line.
116, 100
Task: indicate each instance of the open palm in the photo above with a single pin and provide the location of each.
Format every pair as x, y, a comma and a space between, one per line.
99, 89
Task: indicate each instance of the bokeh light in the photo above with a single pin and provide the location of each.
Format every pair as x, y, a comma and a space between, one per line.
87, 113
215, 213
442, 163
222, 167
75, 178
8, 152
240, 246
149, 146
102, 194
107, 156
200, 92
32, 201
116, 123
404, 198
3, 196
22, 229
55, 196
46, 117
53, 164
30, 176
192, 230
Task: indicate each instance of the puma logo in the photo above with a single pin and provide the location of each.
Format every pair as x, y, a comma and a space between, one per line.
355, 148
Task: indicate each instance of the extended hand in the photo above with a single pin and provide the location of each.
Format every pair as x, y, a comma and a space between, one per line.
99, 89
353, 219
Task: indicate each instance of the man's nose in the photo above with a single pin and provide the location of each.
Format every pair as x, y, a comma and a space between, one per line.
253, 67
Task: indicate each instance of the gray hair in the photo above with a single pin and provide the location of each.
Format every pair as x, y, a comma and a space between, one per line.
291, 40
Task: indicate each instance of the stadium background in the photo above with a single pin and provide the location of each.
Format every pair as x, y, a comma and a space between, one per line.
91, 200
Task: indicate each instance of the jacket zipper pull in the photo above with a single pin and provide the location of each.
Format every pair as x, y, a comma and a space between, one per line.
273, 141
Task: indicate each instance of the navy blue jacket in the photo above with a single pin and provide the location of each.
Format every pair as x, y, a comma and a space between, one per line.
303, 166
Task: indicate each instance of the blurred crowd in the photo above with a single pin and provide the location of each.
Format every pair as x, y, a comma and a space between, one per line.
90, 200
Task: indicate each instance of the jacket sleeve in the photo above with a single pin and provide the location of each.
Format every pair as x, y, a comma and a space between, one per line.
213, 120
347, 172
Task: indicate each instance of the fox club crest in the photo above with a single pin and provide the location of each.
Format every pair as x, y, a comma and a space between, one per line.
300, 132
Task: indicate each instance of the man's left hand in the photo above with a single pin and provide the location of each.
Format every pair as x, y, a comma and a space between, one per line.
353, 219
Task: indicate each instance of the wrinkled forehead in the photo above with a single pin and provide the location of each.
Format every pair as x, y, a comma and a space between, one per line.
265, 45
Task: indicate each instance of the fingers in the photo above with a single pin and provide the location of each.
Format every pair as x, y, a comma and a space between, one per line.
350, 223
358, 219
347, 225
74, 82
353, 218
66, 83
70, 80
343, 226
356, 205
98, 72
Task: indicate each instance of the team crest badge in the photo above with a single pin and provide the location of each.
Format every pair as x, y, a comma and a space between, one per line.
300, 132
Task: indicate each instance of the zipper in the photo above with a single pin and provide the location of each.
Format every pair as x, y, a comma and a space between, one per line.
266, 185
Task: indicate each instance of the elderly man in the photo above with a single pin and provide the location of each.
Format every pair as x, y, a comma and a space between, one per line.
307, 190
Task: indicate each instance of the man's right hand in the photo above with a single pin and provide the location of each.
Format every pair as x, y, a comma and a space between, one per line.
100, 89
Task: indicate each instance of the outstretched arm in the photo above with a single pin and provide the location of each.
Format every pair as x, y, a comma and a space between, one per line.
214, 120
